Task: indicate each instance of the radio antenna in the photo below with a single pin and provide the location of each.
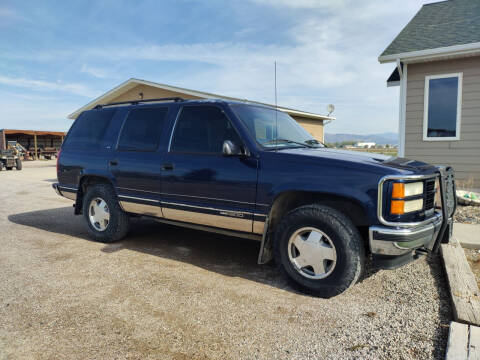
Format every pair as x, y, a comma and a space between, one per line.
276, 108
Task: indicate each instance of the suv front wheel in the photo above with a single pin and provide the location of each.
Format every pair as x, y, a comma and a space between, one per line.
106, 220
319, 250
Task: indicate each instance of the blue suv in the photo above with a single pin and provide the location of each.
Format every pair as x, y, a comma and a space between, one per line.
251, 171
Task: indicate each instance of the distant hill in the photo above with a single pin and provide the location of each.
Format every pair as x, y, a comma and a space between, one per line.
381, 139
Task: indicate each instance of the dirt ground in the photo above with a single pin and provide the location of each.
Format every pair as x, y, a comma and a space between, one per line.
467, 214
170, 293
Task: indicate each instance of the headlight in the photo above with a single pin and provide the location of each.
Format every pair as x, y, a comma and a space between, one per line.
401, 204
400, 207
402, 190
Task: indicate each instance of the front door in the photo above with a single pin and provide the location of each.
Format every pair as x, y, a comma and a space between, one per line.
199, 184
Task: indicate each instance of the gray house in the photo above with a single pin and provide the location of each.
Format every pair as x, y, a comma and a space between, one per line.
437, 57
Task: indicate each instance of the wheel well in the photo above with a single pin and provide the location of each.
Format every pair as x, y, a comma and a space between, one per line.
86, 182
293, 199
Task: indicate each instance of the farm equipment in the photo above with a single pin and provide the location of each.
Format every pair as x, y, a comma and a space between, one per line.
9, 159
50, 153
44, 152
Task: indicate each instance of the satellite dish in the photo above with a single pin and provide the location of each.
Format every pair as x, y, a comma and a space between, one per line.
330, 108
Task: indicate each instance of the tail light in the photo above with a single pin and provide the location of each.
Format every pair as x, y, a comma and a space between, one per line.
58, 158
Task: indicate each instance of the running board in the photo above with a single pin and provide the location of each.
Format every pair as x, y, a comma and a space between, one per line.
238, 234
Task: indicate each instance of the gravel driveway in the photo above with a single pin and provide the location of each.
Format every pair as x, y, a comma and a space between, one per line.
171, 293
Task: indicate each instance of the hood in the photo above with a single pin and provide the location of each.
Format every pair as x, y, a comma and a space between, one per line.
364, 158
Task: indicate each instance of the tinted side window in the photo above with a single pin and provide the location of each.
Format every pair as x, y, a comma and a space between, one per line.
202, 129
89, 128
142, 129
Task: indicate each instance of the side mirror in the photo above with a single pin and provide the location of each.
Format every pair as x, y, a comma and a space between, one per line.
230, 149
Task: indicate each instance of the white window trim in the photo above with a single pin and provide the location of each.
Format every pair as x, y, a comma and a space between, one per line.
459, 107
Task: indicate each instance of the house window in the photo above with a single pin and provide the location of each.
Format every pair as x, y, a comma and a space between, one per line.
442, 107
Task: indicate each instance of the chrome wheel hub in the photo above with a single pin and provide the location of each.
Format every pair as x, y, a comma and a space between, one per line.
312, 253
99, 214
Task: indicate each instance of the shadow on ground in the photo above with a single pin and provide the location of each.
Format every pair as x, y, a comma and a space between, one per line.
228, 256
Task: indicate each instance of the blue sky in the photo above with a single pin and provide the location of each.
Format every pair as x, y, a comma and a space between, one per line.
55, 56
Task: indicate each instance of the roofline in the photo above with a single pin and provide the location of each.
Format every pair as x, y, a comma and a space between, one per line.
95, 101
32, 132
432, 54
200, 94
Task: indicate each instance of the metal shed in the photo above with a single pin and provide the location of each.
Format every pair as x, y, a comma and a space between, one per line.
37, 143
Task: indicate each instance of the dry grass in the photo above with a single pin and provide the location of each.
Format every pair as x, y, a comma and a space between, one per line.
389, 152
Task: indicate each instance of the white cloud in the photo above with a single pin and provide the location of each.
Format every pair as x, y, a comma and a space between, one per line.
38, 115
94, 71
7, 13
39, 85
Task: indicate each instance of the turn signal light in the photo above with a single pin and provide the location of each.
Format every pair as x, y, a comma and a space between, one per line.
397, 207
398, 190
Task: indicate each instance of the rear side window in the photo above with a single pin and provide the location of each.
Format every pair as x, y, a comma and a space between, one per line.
202, 129
142, 129
89, 129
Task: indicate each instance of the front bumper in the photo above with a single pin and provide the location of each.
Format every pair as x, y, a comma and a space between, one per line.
399, 241
395, 245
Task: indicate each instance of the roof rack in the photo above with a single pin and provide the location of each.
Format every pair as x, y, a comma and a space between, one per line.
136, 102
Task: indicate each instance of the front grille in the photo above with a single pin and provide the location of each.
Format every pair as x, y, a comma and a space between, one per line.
429, 194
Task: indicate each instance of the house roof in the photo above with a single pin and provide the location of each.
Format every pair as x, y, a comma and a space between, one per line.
441, 25
131, 83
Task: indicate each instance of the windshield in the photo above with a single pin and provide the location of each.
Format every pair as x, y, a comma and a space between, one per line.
272, 131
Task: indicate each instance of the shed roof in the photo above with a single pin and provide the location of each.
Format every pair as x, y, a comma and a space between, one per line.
32, 132
439, 25
131, 83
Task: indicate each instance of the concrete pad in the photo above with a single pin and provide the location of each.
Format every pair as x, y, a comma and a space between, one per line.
468, 235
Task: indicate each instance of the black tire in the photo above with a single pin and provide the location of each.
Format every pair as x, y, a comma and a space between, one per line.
118, 224
9, 167
19, 164
348, 243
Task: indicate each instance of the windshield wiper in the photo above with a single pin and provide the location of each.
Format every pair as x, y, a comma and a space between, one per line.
288, 141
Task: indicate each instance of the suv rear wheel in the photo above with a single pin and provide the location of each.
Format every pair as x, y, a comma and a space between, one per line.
106, 221
319, 250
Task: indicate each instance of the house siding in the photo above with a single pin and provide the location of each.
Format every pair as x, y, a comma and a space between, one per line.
314, 127
463, 154
149, 92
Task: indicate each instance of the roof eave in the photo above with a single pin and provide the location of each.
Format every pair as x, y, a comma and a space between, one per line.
98, 99
433, 54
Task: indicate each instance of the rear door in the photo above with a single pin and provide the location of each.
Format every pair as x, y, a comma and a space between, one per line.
199, 184
84, 148
136, 161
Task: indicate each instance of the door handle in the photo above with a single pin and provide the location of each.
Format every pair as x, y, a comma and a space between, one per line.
113, 162
168, 167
